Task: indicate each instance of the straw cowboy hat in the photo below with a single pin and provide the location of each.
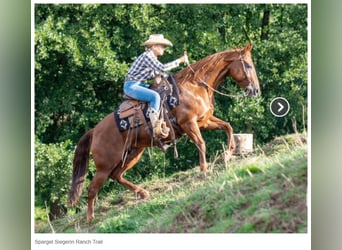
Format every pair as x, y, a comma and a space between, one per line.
157, 39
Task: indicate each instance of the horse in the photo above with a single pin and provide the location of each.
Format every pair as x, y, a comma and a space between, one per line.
197, 84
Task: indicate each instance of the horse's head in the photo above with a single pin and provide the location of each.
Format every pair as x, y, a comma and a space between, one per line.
242, 70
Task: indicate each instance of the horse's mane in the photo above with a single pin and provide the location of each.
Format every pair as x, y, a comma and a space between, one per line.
205, 65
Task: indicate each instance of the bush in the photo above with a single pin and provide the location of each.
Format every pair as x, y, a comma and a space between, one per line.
52, 173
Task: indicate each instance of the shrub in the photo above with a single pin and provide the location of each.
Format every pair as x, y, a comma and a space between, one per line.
53, 174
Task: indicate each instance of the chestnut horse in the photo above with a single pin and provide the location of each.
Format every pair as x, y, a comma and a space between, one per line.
197, 84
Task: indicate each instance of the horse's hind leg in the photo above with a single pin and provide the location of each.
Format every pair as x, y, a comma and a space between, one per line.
117, 174
94, 187
105, 162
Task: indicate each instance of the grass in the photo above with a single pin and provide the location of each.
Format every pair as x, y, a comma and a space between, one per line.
264, 192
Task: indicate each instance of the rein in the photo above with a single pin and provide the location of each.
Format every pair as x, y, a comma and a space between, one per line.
208, 86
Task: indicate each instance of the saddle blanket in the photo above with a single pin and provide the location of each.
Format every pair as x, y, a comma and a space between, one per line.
125, 123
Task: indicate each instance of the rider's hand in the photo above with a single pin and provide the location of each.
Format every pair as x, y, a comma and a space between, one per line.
184, 59
181, 59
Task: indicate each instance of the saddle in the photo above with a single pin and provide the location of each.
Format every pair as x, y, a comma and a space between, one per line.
133, 113
132, 110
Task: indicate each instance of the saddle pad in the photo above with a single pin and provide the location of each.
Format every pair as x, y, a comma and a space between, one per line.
124, 124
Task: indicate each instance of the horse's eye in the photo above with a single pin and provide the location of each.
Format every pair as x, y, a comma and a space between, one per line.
248, 66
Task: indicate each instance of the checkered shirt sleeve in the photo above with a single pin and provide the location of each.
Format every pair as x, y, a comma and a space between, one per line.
146, 66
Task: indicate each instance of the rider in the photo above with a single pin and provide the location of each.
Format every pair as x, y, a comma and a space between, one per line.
145, 67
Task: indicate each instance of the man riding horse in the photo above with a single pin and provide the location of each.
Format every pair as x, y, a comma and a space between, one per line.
144, 68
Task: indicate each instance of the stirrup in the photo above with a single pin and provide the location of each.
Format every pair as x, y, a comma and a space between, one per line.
164, 130
161, 129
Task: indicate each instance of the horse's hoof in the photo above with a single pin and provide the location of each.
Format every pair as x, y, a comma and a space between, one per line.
204, 173
227, 155
204, 169
90, 217
144, 194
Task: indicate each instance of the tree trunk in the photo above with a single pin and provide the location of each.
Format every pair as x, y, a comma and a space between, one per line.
264, 24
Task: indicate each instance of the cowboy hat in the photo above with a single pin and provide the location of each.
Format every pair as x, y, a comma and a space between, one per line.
157, 39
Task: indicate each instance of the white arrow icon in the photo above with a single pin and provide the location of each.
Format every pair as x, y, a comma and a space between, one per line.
281, 107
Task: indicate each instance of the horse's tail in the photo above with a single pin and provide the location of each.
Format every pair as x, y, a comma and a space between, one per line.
80, 167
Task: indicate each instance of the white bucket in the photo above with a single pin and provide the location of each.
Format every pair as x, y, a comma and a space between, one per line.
243, 143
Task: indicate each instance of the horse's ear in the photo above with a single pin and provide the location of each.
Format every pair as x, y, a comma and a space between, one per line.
248, 47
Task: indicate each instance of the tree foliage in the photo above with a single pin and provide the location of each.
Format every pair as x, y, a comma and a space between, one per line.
83, 51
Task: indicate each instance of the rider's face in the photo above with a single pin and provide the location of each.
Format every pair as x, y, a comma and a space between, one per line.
158, 49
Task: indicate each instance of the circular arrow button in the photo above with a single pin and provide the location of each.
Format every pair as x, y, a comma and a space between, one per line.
279, 107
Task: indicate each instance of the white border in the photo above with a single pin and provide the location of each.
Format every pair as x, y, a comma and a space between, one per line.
177, 241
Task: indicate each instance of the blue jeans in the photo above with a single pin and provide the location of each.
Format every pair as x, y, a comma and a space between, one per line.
140, 91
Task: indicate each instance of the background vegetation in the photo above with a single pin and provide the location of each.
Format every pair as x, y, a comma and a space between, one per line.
83, 51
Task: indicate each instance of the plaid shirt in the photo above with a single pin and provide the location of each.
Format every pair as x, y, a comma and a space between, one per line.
146, 66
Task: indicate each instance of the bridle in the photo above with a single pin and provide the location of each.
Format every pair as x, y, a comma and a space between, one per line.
249, 86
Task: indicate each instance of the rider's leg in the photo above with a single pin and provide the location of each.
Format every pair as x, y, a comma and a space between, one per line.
140, 91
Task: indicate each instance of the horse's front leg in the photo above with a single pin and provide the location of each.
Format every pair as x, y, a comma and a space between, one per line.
214, 123
192, 130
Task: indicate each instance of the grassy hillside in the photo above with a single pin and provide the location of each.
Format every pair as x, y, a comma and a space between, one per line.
261, 192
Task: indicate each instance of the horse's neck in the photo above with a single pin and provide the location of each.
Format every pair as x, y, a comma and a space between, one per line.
215, 74
214, 69
219, 76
